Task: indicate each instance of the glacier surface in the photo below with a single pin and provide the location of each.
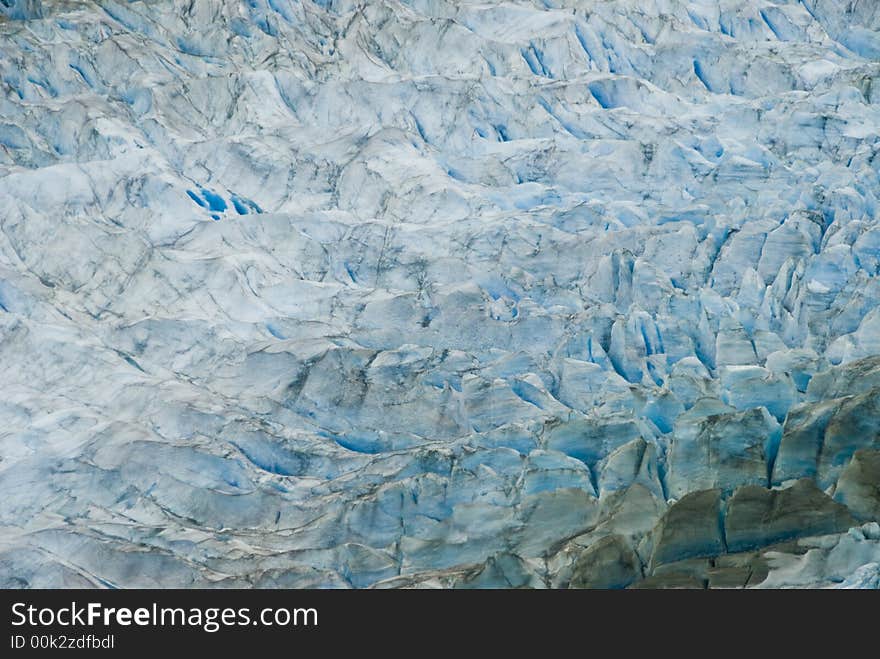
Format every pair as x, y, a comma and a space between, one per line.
440, 294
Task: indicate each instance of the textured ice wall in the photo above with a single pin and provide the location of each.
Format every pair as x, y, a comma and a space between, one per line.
439, 293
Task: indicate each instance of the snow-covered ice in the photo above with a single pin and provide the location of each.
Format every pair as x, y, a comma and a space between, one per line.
439, 293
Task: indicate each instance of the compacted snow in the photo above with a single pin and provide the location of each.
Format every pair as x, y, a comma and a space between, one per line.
440, 293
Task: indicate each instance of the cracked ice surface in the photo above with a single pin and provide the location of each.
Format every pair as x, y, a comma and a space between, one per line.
439, 293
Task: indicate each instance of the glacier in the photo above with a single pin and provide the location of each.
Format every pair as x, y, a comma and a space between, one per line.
450, 294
